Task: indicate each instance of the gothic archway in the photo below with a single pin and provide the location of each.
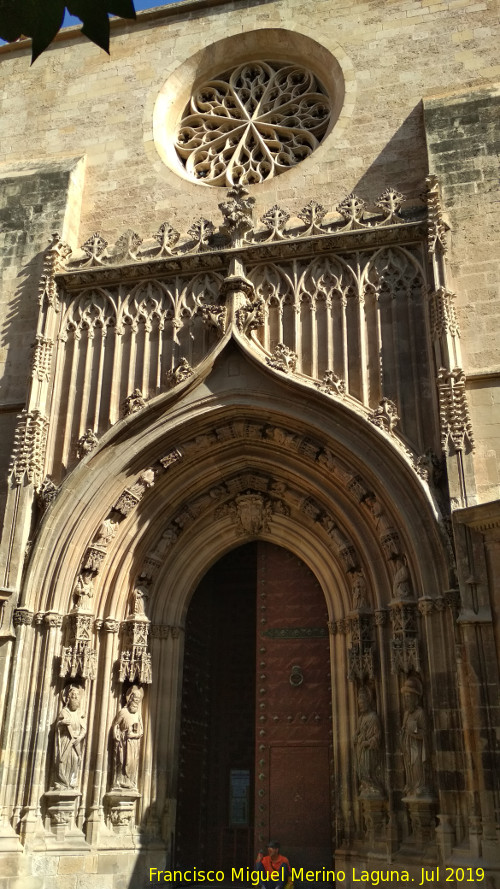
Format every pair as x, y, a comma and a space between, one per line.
163, 497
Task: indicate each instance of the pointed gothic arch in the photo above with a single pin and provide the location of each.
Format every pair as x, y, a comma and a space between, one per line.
354, 521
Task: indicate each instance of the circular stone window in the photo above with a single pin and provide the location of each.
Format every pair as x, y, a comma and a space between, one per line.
252, 122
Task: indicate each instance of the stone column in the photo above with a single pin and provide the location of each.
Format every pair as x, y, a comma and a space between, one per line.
30, 820
96, 824
20, 652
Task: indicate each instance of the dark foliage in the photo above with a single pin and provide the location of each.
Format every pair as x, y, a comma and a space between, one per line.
42, 19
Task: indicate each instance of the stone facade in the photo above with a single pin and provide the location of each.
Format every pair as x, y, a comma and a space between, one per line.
308, 360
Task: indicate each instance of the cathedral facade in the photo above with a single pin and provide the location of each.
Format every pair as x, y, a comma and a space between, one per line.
250, 487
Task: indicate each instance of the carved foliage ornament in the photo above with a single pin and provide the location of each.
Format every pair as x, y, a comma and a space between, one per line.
456, 425
41, 358
283, 359
385, 416
251, 123
29, 447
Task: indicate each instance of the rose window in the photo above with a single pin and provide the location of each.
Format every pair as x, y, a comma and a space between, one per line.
251, 123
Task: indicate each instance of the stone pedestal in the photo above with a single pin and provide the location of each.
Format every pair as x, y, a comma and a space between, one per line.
375, 816
445, 837
423, 821
60, 818
9, 840
120, 810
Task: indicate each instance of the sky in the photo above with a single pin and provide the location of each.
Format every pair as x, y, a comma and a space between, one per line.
139, 4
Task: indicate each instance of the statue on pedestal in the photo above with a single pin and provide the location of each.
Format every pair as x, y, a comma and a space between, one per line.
127, 731
70, 732
367, 742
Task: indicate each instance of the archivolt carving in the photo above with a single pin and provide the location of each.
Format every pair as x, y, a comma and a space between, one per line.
86, 443
252, 122
316, 452
132, 495
252, 512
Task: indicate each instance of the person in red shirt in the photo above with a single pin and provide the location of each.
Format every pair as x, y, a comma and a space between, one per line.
271, 863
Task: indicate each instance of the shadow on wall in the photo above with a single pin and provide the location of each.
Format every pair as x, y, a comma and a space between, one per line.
402, 164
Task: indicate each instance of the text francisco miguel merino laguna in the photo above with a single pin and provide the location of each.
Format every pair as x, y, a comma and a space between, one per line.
374, 877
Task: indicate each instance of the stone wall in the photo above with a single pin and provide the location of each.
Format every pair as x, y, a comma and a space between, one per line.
35, 200
463, 137
390, 55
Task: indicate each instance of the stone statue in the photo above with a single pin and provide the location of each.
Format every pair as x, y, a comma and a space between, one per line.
138, 599
83, 591
70, 731
127, 731
367, 741
401, 587
414, 741
359, 592
106, 532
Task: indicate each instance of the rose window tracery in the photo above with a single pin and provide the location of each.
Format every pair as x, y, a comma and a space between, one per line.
252, 122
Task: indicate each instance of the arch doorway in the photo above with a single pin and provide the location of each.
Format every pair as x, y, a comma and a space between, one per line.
255, 756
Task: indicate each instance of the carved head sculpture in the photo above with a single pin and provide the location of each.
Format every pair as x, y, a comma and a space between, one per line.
412, 692
134, 698
364, 699
71, 696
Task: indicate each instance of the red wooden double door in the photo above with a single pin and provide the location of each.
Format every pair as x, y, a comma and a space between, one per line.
255, 758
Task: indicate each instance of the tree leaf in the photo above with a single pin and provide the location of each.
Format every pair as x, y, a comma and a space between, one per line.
46, 20
10, 20
94, 16
42, 19
123, 8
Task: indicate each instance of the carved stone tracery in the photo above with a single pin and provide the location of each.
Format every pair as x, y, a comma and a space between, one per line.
252, 122
79, 658
135, 658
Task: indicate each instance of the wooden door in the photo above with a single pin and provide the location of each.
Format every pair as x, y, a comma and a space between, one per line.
255, 741
214, 826
293, 712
